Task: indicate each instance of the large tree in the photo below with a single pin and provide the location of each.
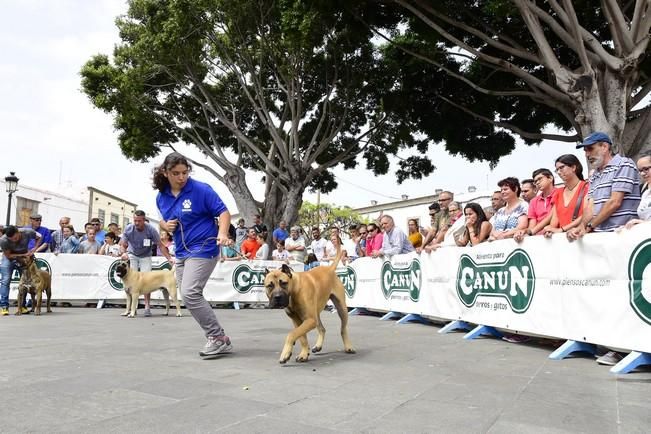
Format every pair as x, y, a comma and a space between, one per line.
284, 88
474, 73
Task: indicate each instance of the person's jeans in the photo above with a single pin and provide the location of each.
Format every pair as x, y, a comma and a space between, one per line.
7, 268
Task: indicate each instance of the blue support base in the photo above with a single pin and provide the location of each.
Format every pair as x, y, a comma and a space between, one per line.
570, 347
482, 330
236, 305
412, 317
630, 362
391, 315
359, 311
455, 325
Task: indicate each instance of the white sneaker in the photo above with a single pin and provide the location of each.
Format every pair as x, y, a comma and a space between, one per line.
216, 345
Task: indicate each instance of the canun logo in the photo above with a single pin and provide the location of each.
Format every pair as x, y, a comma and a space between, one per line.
349, 278
246, 278
116, 282
639, 275
42, 264
513, 279
402, 279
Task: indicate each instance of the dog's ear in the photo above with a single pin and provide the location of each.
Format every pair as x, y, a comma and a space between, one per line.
285, 269
266, 271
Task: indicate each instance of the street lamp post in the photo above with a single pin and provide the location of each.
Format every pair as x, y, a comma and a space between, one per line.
11, 182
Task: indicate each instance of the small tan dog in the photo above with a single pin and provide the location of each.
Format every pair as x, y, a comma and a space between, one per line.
304, 296
136, 283
36, 282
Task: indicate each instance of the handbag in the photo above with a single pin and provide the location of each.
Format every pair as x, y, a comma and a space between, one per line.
579, 201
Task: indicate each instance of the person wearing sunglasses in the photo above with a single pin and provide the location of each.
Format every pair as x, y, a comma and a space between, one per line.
373, 240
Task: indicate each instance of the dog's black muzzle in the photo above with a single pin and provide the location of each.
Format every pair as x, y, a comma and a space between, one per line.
278, 300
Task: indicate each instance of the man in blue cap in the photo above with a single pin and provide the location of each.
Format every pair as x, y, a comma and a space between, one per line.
614, 192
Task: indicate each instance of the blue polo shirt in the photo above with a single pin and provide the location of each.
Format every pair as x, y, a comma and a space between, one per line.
45, 235
280, 234
196, 207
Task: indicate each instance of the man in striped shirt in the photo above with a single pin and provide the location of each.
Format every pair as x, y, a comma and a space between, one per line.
614, 192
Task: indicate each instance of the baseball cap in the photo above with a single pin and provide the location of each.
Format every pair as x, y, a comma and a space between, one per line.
593, 138
36, 217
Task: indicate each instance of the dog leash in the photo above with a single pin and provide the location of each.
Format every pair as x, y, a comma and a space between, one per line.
183, 239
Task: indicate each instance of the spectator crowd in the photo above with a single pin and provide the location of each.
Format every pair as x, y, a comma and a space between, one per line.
612, 196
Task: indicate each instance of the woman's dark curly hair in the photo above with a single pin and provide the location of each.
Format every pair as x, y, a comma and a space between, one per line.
160, 181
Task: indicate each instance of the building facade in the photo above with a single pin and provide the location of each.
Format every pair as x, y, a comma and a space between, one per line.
109, 208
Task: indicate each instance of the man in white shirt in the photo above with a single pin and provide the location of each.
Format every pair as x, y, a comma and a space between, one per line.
295, 244
318, 244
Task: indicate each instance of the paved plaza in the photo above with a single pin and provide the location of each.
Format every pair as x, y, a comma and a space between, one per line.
88, 370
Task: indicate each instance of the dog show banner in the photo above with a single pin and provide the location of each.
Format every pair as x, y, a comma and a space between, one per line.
595, 290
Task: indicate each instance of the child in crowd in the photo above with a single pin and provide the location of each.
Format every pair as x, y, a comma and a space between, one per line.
311, 262
110, 246
280, 254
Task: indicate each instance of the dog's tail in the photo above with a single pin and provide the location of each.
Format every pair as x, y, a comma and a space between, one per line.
340, 254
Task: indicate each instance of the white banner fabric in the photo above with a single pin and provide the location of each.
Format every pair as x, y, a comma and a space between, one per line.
595, 290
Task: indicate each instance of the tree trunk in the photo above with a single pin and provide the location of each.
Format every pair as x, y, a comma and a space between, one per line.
601, 105
246, 204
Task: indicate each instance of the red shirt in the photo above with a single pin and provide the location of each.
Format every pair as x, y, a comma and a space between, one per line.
249, 246
374, 243
540, 206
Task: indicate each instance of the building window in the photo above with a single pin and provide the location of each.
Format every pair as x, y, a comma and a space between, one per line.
24, 210
101, 214
115, 218
126, 222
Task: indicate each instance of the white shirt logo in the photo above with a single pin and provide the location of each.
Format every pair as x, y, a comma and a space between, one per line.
187, 205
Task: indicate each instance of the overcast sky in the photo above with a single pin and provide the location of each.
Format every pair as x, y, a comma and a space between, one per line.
54, 139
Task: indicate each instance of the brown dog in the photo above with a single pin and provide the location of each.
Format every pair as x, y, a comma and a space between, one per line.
136, 283
36, 282
303, 296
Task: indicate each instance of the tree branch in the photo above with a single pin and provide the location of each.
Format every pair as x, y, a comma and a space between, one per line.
507, 66
511, 127
618, 25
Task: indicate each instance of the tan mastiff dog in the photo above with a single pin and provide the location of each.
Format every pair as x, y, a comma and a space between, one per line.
36, 282
136, 283
304, 296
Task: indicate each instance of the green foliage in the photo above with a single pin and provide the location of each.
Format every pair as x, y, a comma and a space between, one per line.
325, 216
241, 76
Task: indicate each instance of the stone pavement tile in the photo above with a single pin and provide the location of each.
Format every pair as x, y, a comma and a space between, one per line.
267, 424
634, 418
201, 414
57, 410
512, 427
419, 416
336, 411
181, 387
542, 407
476, 389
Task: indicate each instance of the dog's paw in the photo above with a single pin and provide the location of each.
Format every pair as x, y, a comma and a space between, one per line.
302, 358
316, 349
179, 315
37, 313
350, 350
283, 359
124, 314
131, 316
